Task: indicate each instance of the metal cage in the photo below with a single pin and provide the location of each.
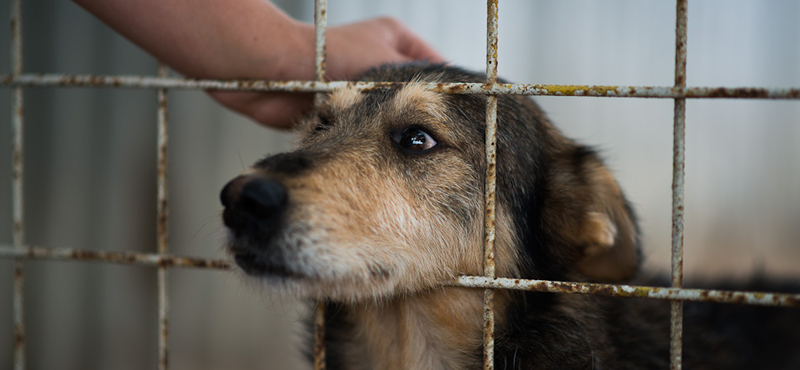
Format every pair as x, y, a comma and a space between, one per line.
162, 260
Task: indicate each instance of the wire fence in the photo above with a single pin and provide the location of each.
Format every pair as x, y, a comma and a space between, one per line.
162, 260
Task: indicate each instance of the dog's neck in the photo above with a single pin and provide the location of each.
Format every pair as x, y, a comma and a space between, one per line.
441, 329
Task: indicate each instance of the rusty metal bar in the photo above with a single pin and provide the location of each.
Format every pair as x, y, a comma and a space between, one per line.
162, 222
17, 171
632, 291
610, 91
319, 335
162, 260
320, 30
19, 322
491, 184
611, 290
162, 208
491, 142
678, 175
491, 42
120, 257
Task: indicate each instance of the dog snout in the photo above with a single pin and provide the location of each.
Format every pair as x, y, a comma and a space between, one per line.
251, 198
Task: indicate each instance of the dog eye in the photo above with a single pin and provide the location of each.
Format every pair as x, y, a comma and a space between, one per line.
416, 141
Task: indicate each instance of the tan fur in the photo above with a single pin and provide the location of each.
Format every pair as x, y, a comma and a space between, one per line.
415, 96
381, 207
599, 232
612, 254
344, 97
353, 204
435, 330
381, 231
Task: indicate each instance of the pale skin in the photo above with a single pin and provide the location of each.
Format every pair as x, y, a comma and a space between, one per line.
253, 39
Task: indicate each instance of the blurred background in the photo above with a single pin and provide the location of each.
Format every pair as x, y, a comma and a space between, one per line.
90, 163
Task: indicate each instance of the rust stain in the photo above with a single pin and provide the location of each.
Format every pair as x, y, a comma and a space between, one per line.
742, 92
451, 88
680, 294
383, 85
583, 90
19, 336
319, 336
163, 217
163, 351
131, 258
671, 92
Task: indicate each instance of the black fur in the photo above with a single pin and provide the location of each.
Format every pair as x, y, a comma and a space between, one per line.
569, 218
549, 331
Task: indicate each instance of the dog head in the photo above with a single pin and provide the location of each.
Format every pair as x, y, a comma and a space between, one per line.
384, 196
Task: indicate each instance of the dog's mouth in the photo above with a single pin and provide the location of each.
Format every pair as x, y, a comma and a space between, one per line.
254, 264
265, 257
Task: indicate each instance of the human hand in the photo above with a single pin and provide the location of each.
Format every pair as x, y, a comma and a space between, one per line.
254, 39
351, 50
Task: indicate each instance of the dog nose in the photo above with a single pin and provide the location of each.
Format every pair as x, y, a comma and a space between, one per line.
253, 196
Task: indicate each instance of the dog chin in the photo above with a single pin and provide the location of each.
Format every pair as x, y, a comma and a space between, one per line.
296, 265
339, 290
338, 286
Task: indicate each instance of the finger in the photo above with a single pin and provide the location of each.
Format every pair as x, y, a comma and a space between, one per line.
415, 48
278, 110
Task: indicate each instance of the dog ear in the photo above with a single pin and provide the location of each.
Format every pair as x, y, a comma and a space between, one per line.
592, 214
611, 248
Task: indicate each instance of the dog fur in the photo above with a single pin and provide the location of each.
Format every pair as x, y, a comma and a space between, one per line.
382, 203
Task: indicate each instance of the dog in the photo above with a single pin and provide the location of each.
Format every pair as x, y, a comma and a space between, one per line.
382, 204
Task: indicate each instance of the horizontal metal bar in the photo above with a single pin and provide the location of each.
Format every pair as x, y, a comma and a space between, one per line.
611, 290
145, 82
121, 257
695, 295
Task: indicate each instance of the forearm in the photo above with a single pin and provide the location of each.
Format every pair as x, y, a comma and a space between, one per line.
214, 38
253, 39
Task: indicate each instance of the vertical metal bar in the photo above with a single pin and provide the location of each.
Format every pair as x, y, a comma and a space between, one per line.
319, 336
18, 231
491, 182
162, 222
678, 162
320, 27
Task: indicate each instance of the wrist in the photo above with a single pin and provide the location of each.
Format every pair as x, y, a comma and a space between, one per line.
294, 52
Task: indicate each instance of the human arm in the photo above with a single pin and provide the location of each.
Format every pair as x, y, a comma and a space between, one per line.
223, 39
